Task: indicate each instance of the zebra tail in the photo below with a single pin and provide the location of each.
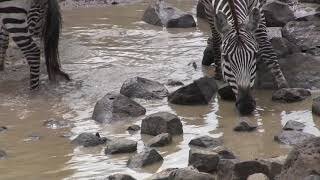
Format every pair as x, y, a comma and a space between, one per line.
50, 38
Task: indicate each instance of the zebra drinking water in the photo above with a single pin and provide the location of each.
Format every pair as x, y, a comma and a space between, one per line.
239, 38
23, 20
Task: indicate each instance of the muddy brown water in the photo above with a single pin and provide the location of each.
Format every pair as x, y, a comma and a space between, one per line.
100, 48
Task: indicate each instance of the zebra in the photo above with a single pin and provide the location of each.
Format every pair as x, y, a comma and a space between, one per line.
24, 20
239, 39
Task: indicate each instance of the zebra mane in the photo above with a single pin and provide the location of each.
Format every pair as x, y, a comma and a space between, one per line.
234, 15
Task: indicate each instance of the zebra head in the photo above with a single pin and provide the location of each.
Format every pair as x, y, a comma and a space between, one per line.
238, 52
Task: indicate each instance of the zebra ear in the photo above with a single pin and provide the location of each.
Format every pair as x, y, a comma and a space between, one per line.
221, 23
253, 20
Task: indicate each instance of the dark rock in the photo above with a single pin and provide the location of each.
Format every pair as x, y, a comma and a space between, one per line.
144, 158
32, 137
226, 93
203, 160
160, 140
120, 177
161, 14
174, 83
201, 10
200, 91
163, 175
316, 106
310, 1
290, 95
302, 161
143, 88
114, 3
292, 137
277, 13
274, 165
312, 17
283, 47
3, 154
293, 125
206, 142
3, 128
226, 169
113, 107
245, 126
133, 128
224, 153
56, 124
190, 174
161, 122
117, 146
244, 169
88, 140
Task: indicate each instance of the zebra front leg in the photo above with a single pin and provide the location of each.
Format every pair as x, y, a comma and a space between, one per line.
4, 43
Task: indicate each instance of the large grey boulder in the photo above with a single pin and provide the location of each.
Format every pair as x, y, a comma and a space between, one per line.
292, 137
206, 142
139, 87
161, 122
115, 107
144, 158
289, 95
303, 161
277, 13
159, 13
204, 160
117, 146
316, 106
89, 140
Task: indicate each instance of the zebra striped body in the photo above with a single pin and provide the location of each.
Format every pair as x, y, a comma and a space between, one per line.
239, 38
25, 19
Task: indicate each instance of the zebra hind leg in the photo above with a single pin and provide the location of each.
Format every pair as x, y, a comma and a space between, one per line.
4, 43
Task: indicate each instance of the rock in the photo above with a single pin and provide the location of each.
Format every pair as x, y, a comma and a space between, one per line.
117, 146
143, 88
316, 106
161, 122
203, 160
290, 95
226, 169
120, 177
224, 153
206, 142
283, 47
302, 161
274, 165
309, 1
174, 83
56, 124
190, 174
160, 140
245, 126
259, 176
3, 129
144, 158
163, 175
199, 92
133, 128
304, 34
244, 169
312, 177
161, 14
89, 140
277, 13
113, 107
313, 17
226, 93
32, 137
292, 137
3, 154
292, 66
293, 125
200, 10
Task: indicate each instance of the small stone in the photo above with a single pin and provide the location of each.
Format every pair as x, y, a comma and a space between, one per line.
160, 140
133, 128
206, 142
144, 158
294, 125
172, 82
120, 146
56, 124
3, 154
32, 137
290, 95
203, 160
89, 140
316, 106
3, 128
292, 137
120, 177
245, 126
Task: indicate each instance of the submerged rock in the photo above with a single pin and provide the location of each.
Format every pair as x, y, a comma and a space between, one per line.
160, 140
292, 137
117, 146
113, 107
316, 106
159, 13
56, 124
226, 93
89, 140
206, 142
33, 137
289, 95
203, 160
245, 126
199, 92
139, 87
120, 177
133, 128
144, 158
3, 128
277, 13
161, 122
3, 154
293, 125
303, 161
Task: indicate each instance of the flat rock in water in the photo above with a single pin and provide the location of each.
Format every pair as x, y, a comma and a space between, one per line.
245, 126
277, 13
120, 177
144, 158
316, 106
161, 122
292, 137
56, 124
139, 87
226, 93
160, 140
290, 95
117, 146
159, 13
204, 160
294, 125
115, 107
89, 140
206, 142
134, 128
199, 92
3, 154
